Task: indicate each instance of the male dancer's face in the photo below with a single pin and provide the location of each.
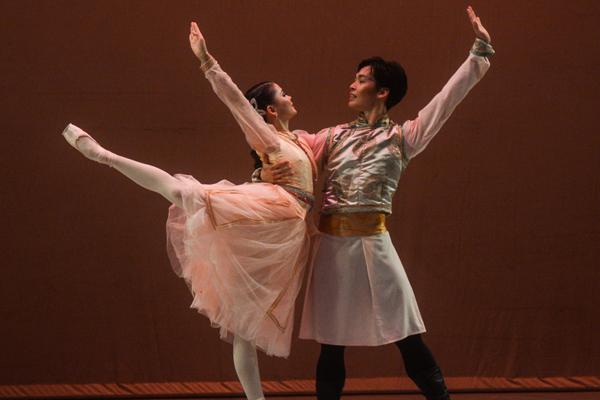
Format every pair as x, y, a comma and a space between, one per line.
363, 94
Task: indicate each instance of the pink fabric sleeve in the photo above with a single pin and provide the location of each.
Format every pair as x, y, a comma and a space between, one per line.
316, 142
419, 131
261, 136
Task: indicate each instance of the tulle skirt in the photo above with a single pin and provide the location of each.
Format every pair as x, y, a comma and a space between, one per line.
242, 250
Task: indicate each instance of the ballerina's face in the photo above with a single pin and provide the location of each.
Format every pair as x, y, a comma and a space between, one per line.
282, 104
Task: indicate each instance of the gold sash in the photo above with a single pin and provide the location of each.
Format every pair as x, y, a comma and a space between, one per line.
353, 224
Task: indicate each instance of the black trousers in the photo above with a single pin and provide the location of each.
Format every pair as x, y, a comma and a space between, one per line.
418, 362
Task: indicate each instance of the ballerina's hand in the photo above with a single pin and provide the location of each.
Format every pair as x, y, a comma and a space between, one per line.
480, 31
197, 42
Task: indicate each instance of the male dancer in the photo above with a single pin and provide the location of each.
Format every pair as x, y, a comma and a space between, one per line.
358, 292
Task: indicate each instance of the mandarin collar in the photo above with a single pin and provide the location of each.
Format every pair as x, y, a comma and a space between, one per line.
362, 122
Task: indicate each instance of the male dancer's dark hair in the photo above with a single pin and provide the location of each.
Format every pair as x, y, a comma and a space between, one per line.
387, 74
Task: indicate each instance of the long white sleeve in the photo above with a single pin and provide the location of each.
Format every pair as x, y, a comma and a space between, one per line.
419, 131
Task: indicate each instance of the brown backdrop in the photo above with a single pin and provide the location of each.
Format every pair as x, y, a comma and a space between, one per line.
496, 222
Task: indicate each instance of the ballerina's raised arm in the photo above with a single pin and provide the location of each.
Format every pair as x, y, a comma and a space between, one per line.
261, 136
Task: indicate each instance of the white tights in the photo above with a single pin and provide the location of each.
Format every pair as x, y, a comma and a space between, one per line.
147, 176
245, 358
246, 366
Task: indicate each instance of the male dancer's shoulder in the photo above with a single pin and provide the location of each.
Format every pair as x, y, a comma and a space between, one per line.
334, 135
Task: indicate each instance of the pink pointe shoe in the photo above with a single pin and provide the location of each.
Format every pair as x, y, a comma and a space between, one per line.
73, 133
95, 152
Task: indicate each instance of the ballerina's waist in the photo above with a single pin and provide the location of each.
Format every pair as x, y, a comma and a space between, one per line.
304, 197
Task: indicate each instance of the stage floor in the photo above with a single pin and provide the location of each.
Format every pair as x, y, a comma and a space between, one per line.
461, 396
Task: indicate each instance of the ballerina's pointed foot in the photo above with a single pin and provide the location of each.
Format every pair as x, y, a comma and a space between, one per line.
89, 147
73, 133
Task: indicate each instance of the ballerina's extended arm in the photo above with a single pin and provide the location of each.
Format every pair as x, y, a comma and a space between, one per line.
261, 136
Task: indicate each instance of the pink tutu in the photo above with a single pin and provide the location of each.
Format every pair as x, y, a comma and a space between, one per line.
242, 250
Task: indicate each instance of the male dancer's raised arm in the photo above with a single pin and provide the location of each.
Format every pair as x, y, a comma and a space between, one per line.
418, 133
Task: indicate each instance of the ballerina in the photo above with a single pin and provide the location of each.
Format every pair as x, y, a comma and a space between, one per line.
241, 249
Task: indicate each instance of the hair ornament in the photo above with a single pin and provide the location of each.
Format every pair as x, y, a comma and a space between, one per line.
255, 105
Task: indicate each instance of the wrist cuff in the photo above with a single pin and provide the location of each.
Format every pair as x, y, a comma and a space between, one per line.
482, 48
206, 65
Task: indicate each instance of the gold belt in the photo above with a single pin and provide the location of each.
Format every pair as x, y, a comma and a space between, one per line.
353, 224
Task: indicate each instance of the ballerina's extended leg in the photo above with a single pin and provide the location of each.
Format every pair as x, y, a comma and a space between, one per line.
246, 366
147, 176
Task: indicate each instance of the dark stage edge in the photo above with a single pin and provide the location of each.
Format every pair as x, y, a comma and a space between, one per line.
595, 395
469, 396
467, 388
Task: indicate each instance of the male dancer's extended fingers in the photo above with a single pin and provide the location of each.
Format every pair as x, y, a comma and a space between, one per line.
471, 13
285, 173
195, 28
281, 167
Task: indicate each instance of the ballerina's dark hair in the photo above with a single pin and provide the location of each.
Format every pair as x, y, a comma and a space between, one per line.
264, 94
387, 74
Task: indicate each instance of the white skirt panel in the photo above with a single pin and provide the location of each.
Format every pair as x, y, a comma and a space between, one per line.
358, 293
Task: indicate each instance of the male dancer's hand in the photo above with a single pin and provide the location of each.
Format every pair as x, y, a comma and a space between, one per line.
279, 174
197, 43
480, 31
